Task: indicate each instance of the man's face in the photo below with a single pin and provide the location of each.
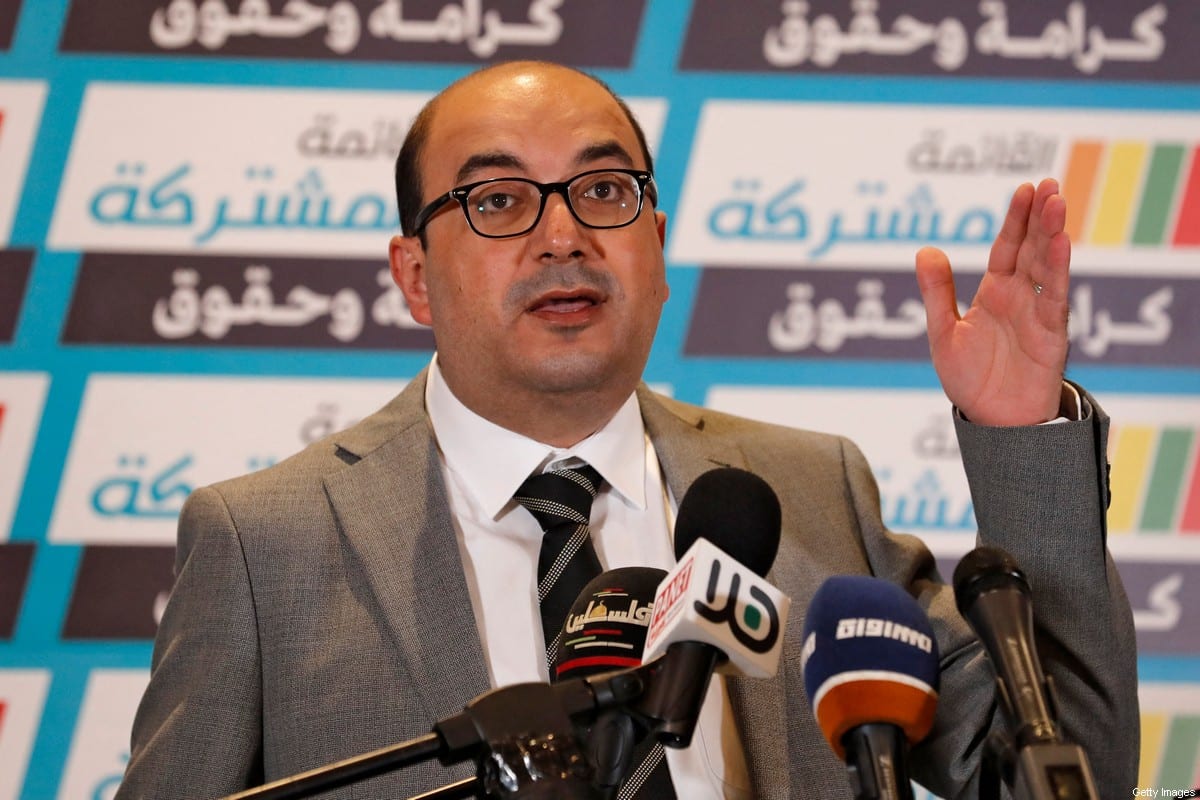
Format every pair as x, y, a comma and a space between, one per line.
561, 309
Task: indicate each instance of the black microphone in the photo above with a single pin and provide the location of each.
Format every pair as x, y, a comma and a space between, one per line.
605, 629
993, 596
712, 611
606, 626
737, 511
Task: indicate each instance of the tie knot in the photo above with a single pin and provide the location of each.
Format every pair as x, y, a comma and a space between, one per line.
561, 495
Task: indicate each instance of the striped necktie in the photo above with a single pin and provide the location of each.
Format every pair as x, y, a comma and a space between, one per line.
561, 501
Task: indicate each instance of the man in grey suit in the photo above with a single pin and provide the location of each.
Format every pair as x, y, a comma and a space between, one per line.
353, 595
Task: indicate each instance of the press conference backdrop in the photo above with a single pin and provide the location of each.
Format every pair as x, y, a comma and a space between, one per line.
195, 206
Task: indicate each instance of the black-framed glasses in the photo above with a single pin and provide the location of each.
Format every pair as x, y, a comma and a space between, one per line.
501, 207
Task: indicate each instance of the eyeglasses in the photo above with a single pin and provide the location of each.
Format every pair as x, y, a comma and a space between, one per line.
501, 207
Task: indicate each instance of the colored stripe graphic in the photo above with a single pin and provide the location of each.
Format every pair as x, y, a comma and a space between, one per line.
1123, 178
1166, 479
1125, 192
1155, 480
1180, 755
1187, 227
1158, 194
1130, 461
1154, 733
1189, 520
1170, 750
1080, 180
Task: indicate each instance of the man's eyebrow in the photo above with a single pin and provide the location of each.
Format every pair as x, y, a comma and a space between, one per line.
593, 152
610, 149
484, 161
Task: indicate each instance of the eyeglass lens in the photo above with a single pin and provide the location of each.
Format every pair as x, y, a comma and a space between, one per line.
508, 207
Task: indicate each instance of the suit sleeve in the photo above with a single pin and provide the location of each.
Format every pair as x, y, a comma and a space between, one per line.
1040, 493
198, 729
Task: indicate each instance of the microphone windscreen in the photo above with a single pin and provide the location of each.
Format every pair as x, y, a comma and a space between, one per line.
606, 626
737, 511
983, 569
869, 656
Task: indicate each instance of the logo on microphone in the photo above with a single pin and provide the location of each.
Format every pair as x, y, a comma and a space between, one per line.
636, 613
756, 627
869, 627
667, 602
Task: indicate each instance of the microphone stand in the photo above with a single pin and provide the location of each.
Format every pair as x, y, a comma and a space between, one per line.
521, 738
351, 770
1053, 771
1040, 770
876, 761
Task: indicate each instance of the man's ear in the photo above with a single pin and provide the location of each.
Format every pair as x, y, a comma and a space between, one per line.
406, 256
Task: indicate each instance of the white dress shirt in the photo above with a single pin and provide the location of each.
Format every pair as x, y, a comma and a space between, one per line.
499, 541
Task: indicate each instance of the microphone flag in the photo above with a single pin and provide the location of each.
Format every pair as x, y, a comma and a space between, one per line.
710, 597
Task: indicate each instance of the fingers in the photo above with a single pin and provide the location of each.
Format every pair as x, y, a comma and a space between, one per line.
1047, 217
1046, 261
1032, 240
1002, 259
936, 282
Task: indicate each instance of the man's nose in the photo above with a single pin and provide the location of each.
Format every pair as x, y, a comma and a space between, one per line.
559, 234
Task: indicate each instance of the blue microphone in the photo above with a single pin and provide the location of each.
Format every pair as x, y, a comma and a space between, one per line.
870, 667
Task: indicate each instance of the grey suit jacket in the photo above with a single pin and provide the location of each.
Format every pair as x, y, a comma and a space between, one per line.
320, 608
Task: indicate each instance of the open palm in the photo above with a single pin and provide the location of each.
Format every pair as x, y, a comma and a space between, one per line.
1002, 362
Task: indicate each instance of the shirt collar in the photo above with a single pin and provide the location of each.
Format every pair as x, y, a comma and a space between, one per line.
493, 461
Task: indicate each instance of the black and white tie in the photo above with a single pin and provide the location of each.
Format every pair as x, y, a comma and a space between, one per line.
561, 501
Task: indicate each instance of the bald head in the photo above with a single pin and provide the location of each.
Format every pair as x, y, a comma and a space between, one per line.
510, 79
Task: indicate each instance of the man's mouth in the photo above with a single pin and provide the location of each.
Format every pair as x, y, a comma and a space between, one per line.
565, 302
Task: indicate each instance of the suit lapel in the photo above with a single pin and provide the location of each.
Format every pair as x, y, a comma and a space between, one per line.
392, 508
685, 452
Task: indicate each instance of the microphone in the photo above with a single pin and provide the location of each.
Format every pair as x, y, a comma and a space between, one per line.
870, 666
605, 629
606, 626
713, 610
735, 510
993, 596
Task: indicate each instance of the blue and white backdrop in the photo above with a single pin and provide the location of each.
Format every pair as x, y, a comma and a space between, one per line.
195, 204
